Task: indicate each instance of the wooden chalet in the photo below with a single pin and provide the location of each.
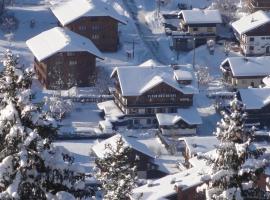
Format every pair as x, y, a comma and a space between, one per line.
195, 26
140, 155
257, 106
255, 5
143, 92
63, 59
253, 33
244, 72
93, 19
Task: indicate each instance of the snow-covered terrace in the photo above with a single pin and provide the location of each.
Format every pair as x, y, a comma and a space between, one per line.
111, 110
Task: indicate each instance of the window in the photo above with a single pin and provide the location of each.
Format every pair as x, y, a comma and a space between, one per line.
136, 121
58, 62
70, 53
94, 19
149, 110
209, 29
263, 38
133, 110
82, 28
251, 39
251, 48
95, 36
72, 62
95, 27
148, 121
195, 29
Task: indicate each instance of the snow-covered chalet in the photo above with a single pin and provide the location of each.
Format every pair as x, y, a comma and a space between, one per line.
257, 106
93, 19
253, 33
195, 26
244, 72
160, 96
63, 59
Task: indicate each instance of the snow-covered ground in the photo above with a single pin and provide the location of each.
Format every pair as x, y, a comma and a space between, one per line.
81, 150
144, 30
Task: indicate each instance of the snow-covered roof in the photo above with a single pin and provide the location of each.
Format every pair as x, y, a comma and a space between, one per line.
189, 115
164, 187
197, 16
150, 63
57, 40
255, 98
135, 80
266, 81
111, 110
101, 151
200, 144
249, 66
251, 22
183, 75
68, 11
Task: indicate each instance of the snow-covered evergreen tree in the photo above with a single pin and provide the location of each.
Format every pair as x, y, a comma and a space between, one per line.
117, 173
237, 164
30, 166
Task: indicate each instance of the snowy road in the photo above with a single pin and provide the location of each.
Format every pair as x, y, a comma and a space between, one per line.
145, 33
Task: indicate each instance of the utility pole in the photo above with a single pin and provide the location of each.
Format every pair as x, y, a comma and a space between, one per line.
133, 48
194, 46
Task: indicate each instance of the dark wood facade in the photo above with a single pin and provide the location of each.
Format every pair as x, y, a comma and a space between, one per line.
257, 117
255, 5
67, 69
102, 31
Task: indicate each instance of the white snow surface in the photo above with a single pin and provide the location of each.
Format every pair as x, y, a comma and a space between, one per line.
197, 16
101, 151
255, 98
249, 66
189, 115
135, 81
68, 11
58, 40
251, 22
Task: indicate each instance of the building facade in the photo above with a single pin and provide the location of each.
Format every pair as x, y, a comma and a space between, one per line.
63, 59
93, 19
255, 5
146, 95
196, 27
244, 72
253, 34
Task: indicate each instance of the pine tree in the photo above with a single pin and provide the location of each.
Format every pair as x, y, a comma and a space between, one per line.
117, 173
30, 166
237, 164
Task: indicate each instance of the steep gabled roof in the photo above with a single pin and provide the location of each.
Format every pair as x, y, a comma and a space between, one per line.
248, 66
135, 80
197, 16
100, 148
255, 98
58, 40
189, 115
68, 11
251, 22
